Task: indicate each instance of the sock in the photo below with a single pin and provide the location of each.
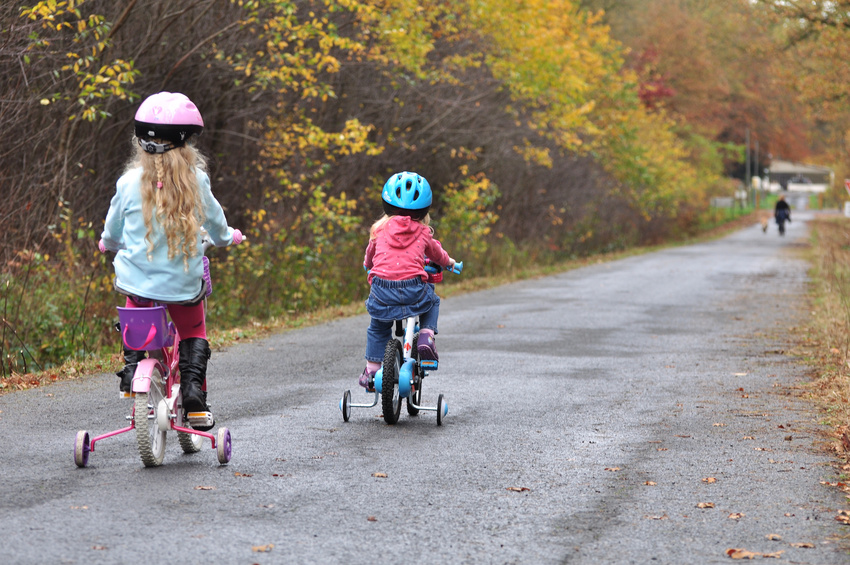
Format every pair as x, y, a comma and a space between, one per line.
372, 367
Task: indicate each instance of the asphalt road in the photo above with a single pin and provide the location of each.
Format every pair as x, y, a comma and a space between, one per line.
588, 413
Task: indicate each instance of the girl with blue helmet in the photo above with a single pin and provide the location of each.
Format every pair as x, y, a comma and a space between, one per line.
399, 242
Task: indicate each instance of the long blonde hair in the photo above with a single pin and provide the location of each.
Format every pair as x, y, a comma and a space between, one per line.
170, 186
382, 221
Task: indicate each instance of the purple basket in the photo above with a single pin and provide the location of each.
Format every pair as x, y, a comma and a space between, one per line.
145, 329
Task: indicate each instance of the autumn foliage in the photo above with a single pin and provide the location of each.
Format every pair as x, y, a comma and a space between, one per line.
548, 128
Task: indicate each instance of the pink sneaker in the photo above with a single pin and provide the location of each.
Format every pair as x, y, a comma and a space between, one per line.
367, 380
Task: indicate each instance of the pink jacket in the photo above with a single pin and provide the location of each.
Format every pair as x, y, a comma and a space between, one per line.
398, 252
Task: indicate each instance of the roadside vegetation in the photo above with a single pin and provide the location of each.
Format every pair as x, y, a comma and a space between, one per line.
552, 131
826, 343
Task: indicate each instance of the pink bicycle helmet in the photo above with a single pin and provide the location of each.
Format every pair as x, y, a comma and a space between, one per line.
169, 116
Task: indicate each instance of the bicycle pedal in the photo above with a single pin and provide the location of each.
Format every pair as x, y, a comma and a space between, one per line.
200, 419
431, 364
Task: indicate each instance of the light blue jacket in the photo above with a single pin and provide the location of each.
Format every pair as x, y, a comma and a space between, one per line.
161, 278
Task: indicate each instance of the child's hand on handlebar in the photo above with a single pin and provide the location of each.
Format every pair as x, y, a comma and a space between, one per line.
101, 246
238, 237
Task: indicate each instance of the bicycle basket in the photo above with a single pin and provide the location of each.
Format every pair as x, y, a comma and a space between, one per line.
145, 329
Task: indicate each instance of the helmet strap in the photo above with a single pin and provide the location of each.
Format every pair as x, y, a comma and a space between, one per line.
155, 148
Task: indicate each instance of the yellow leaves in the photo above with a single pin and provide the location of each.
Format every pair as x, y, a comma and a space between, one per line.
94, 88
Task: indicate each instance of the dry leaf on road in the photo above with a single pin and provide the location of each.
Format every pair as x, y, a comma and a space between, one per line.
705, 505
738, 553
262, 548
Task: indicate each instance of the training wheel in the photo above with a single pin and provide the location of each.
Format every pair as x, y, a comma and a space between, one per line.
345, 405
224, 447
82, 448
442, 409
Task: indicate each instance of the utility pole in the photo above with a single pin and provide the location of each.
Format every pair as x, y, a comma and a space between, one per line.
758, 176
747, 182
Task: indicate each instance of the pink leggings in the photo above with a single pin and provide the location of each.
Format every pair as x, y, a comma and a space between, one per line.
189, 320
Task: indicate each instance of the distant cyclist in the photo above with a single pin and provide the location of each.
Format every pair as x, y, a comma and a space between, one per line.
782, 213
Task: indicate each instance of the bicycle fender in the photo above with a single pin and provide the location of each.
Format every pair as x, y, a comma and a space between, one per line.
405, 377
143, 375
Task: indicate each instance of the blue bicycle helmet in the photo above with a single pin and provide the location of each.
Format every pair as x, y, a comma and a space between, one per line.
407, 194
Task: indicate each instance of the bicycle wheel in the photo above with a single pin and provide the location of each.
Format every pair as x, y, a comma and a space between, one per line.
150, 438
82, 448
224, 446
345, 405
189, 443
390, 400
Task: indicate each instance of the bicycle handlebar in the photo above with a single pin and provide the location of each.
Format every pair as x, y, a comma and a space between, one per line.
456, 268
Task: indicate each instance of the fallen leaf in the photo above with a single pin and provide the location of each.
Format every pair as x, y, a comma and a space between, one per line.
660, 449
99, 547
843, 518
650, 483
237, 474
736, 515
371, 519
705, 505
749, 437
612, 469
719, 425
745, 396
262, 548
737, 553
775, 554
379, 475
518, 489
773, 537
709, 480
662, 517
787, 515
204, 488
803, 544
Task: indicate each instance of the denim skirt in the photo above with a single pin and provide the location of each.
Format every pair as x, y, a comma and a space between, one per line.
396, 300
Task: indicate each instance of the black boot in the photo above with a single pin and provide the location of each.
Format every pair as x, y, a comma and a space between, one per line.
194, 354
131, 360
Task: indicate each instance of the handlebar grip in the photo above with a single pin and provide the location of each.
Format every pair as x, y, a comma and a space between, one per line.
457, 267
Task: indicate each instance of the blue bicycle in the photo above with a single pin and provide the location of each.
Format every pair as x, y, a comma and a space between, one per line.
403, 372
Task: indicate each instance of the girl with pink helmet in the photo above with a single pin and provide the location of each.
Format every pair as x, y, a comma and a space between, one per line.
162, 203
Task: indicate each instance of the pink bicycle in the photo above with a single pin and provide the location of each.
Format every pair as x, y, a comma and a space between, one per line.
157, 402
